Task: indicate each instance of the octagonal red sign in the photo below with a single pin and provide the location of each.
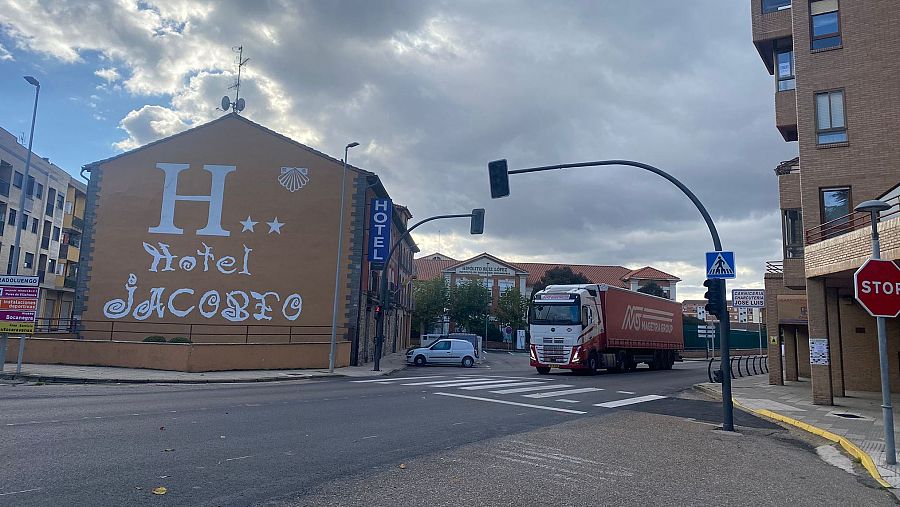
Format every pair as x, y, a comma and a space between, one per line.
877, 287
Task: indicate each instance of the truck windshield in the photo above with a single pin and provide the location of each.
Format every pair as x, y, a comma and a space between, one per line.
554, 314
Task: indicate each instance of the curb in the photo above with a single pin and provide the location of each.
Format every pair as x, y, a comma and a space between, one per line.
848, 446
52, 379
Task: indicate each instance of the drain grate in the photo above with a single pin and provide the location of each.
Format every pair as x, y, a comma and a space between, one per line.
847, 415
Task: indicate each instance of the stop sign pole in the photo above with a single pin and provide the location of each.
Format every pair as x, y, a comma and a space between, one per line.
871, 302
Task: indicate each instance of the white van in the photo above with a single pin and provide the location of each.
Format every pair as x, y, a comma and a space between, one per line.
445, 351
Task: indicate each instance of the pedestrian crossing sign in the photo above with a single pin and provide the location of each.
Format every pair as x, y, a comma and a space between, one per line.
720, 265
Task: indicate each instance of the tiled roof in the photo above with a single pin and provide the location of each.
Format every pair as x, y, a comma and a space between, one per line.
610, 275
649, 273
429, 269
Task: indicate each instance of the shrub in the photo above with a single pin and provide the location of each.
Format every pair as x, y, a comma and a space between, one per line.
155, 339
180, 339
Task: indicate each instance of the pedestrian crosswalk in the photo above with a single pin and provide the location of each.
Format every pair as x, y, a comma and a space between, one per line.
530, 392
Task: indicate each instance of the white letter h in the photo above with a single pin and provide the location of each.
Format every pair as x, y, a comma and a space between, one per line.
170, 195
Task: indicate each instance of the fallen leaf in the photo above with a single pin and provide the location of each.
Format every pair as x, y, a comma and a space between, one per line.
403, 465
160, 490
168, 450
162, 428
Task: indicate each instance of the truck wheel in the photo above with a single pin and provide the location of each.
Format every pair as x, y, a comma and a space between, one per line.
542, 370
593, 364
419, 360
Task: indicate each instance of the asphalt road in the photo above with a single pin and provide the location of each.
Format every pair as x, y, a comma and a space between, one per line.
343, 441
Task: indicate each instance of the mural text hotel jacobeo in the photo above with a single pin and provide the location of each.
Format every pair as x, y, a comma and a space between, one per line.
220, 227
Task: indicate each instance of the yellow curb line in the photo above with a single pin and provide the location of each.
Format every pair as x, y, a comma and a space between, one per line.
848, 446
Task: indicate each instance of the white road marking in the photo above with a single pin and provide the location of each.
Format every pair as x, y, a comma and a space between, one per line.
393, 379
447, 380
625, 392
629, 401
563, 400
368, 437
22, 491
493, 386
563, 393
526, 389
457, 383
239, 457
504, 402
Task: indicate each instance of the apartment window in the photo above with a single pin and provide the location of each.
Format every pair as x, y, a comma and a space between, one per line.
29, 260
12, 217
51, 197
9, 263
24, 223
60, 199
29, 187
831, 126
792, 223
825, 24
17, 179
835, 209
775, 5
784, 65
69, 208
51, 266
39, 192
55, 233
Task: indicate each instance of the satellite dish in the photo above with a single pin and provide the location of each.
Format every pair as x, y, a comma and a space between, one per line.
226, 103
240, 104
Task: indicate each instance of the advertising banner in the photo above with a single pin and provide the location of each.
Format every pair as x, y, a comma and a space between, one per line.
18, 304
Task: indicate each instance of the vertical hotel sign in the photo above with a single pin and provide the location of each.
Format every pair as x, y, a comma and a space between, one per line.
18, 304
380, 213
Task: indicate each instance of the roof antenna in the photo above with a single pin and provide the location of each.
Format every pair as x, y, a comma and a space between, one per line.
238, 105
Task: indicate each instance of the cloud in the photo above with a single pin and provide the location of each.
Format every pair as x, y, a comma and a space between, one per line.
5, 55
434, 90
110, 74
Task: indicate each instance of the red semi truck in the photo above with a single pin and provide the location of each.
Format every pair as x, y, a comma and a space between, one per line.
588, 327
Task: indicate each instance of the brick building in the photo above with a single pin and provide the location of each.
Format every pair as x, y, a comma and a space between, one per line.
836, 66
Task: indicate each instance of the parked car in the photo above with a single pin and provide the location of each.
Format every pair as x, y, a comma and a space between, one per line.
428, 340
446, 351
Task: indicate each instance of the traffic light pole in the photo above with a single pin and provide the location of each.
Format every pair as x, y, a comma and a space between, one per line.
724, 324
383, 287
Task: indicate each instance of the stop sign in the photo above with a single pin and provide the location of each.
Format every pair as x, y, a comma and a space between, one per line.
877, 287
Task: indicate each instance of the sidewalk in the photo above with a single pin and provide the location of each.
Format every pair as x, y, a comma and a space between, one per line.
856, 417
105, 374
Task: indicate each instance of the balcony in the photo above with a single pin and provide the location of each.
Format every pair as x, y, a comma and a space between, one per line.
70, 283
78, 223
786, 114
849, 223
767, 27
847, 246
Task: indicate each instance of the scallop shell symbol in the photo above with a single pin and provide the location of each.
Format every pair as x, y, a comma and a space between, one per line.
293, 178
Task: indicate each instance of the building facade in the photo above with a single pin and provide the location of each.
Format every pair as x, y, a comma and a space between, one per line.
50, 225
836, 65
224, 237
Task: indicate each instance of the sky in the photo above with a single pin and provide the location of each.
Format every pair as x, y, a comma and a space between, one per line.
432, 91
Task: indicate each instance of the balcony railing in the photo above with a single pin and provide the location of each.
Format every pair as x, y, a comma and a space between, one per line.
70, 283
775, 267
848, 223
77, 223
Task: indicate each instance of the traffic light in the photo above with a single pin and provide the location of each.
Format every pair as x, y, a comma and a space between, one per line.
498, 174
379, 312
477, 225
715, 296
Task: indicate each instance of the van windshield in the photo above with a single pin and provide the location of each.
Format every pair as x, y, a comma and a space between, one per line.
555, 314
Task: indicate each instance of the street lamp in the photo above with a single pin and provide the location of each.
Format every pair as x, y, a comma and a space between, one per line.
498, 176
875, 207
17, 244
337, 269
476, 227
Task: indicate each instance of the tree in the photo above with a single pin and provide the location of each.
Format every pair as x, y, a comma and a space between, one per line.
560, 275
431, 297
468, 305
511, 308
653, 289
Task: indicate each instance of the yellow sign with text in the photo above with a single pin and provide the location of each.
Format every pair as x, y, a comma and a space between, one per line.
16, 327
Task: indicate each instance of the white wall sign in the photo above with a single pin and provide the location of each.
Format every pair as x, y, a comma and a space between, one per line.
748, 298
818, 351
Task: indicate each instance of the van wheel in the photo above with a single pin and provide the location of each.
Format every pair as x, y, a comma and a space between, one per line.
468, 362
419, 360
542, 370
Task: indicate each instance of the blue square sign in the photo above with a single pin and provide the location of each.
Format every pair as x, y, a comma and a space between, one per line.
720, 265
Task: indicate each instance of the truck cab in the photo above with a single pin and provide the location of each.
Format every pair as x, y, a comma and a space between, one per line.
564, 321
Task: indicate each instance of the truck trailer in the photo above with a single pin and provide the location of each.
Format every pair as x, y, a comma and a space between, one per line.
589, 327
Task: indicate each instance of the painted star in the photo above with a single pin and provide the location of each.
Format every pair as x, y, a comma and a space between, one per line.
248, 224
275, 226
